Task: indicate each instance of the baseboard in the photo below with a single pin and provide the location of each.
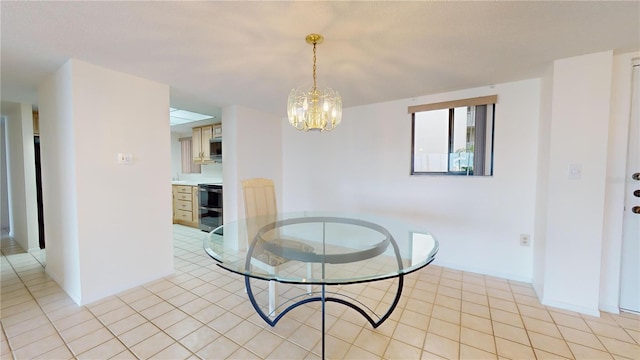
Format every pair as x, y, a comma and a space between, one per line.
507, 276
571, 307
613, 309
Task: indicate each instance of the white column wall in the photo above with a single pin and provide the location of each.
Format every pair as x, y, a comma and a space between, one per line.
22, 174
575, 208
542, 181
108, 225
252, 147
364, 165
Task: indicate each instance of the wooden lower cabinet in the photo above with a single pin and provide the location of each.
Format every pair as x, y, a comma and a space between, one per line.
185, 205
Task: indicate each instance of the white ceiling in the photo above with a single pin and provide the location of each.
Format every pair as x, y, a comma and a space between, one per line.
252, 54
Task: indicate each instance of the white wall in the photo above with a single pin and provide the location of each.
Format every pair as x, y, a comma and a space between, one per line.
364, 166
22, 174
615, 183
252, 147
108, 225
575, 210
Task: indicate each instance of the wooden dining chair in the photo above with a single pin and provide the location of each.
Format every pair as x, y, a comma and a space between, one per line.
260, 209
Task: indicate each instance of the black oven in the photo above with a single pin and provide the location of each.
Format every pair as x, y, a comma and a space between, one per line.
210, 198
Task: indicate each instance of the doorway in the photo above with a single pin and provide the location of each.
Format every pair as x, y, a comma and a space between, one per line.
630, 266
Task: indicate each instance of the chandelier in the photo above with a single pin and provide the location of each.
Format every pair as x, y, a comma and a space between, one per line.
314, 109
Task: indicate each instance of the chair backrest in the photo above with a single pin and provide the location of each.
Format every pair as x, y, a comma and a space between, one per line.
259, 204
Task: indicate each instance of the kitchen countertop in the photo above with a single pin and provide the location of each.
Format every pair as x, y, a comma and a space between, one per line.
195, 183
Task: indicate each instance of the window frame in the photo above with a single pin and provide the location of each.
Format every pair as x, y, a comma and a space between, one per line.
488, 101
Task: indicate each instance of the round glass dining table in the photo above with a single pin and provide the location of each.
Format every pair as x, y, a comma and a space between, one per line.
320, 249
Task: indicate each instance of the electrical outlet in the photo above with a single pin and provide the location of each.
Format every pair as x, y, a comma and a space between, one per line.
524, 240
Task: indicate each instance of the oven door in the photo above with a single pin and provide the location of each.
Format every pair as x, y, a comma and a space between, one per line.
210, 198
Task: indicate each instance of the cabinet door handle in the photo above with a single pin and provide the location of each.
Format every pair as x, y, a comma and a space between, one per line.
636, 176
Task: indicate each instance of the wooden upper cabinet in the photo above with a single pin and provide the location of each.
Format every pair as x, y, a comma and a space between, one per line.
217, 130
36, 123
200, 142
196, 144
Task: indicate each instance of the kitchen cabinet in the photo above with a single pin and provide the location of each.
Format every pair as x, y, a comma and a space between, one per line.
185, 205
201, 142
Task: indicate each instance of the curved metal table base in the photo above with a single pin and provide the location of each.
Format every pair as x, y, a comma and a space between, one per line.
324, 299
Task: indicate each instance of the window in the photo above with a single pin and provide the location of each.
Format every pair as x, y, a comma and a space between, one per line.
453, 137
186, 157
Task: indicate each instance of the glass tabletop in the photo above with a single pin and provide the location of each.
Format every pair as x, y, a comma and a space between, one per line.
321, 248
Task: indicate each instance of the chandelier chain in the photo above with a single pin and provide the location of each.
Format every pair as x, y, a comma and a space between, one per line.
314, 65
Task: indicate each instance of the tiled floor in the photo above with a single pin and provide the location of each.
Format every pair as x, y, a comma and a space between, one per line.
203, 312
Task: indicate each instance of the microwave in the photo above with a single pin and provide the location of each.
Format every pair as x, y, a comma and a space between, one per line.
215, 149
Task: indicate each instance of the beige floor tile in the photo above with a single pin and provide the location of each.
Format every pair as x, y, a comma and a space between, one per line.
479, 299
59, 353
401, 351
470, 353
35, 349
534, 312
372, 341
116, 315
448, 302
345, 330
569, 321
528, 300
455, 293
25, 326
628, 321
431, 356
169, 318
477, 339
543, 355
355, 352
512, 333
506, 317
157, 310
408, 335
263, 343
581, 337
138, 334
105, 350
622, 348
550, 344
444, 329
90, 340
505, 305
610, 331
500, 294
145, 302
76, 318
513, 350
174, 351
80, 330
126, 324
476, 309
442, 346
476, 323
581, 352
152, 345
446, 314
634, 334
244, 354
243, 332
474, 288
106, 305
31, 336
412, 318
306, 337
542, 327
183, 328
199, 338
287, 350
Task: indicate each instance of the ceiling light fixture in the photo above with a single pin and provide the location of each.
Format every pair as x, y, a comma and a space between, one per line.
314, 109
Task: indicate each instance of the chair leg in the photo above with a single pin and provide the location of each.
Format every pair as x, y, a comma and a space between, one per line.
273, 296
309, 276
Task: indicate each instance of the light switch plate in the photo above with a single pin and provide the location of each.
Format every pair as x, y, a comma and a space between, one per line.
574, 172
125, 158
